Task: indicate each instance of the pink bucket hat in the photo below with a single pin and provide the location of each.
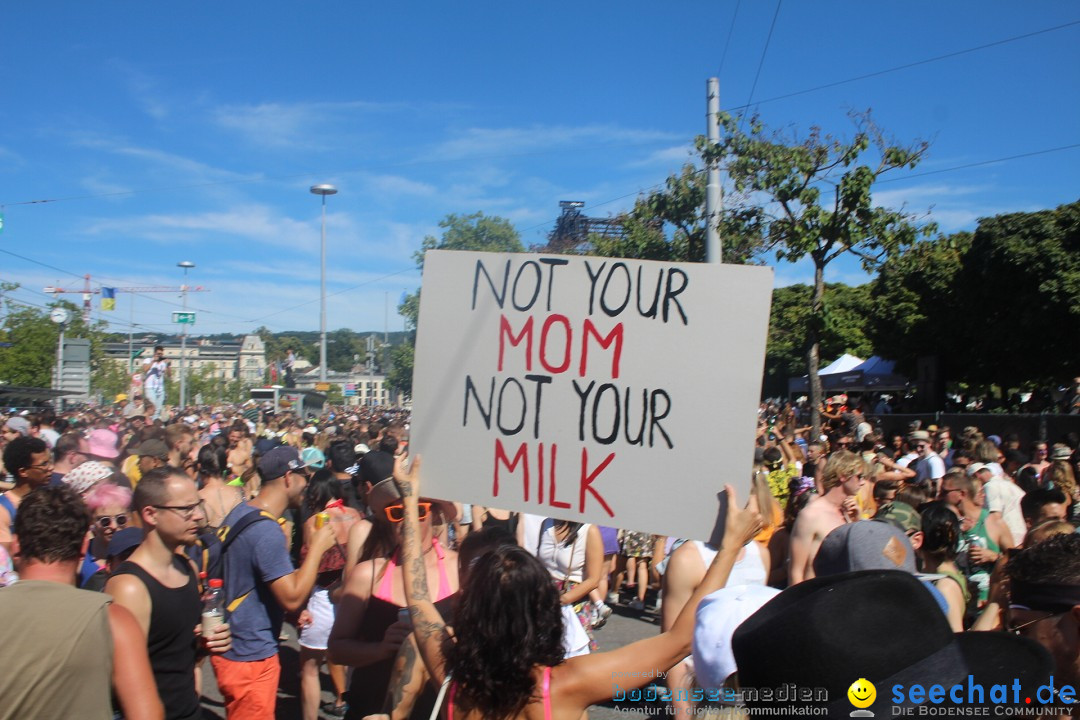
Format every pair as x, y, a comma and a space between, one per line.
102, 443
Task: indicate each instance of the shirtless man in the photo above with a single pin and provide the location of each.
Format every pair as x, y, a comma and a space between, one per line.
844, 474
240, 460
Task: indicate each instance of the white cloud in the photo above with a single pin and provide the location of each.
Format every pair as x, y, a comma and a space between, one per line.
512, 141
252, 222
290, 124
101, 187
396, 185
672, 157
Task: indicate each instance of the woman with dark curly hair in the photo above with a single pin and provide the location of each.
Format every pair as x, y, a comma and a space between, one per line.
506, 657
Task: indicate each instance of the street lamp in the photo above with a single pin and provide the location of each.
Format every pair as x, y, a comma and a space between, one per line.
187, 265
323, 190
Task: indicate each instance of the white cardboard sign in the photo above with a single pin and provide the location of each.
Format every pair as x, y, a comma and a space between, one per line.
613, 391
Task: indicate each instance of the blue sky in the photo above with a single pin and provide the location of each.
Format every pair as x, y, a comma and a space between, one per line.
190, 131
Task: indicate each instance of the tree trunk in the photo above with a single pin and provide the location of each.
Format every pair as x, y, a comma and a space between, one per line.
813, 354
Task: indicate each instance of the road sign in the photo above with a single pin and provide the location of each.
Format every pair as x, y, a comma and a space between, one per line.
350, 390
184, 318
322, 387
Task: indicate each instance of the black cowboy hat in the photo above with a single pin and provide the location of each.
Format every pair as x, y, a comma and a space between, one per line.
884, 626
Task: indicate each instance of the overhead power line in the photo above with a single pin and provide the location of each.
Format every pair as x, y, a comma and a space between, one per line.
727, 42
764, 52
980, 163
389, 166
905, 66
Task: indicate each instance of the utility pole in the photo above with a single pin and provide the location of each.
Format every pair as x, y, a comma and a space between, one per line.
714, 198
186, 265
322, 190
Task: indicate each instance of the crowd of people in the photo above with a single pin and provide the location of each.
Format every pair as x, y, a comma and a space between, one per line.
903, 556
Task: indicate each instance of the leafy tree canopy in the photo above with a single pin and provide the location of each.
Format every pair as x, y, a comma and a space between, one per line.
846, 327
816, 195
998, 306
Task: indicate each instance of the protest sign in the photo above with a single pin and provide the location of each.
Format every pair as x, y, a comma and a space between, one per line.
620, 392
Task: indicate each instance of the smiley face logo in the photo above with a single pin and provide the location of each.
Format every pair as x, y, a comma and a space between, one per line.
862, 693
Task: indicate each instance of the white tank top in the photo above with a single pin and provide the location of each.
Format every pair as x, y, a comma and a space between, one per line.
562, 561
749, 570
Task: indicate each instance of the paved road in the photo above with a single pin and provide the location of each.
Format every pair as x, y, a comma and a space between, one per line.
624, 627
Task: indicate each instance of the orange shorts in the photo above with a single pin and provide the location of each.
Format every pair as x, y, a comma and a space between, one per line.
249, 688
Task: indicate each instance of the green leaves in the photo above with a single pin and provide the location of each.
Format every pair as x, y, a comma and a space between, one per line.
477, 231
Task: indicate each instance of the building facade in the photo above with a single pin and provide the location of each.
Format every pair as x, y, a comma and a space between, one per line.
227, 360
359, 388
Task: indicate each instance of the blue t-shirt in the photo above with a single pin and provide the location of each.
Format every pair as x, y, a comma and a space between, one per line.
256, 558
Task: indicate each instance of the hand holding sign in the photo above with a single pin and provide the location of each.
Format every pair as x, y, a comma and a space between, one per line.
407, 475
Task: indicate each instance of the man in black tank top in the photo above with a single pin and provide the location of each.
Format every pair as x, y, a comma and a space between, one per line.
160, 588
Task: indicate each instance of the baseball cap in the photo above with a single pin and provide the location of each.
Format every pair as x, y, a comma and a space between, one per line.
19, 425
279, 461
976, 467
864, 545
153, 448
901, 516
265, 445
313, 457
123, 540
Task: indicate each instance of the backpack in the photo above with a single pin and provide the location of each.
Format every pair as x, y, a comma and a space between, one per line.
208, 552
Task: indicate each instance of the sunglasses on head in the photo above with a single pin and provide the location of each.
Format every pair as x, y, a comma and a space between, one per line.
396, 513
107, 521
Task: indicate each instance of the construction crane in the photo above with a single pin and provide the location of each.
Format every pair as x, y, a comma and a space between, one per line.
86, 291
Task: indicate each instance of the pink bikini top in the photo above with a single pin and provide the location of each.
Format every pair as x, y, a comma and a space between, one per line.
546, 697
386, 589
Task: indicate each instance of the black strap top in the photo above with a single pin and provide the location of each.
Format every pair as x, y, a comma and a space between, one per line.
171, 641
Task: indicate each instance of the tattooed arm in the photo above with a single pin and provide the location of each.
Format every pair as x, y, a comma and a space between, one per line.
428, 626
406, 681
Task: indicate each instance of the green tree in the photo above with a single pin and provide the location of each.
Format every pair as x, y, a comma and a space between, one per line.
401, 367
967, 298
110, 380
670, 224
798, 222
845, 330
916, 306
31, 358
477, 232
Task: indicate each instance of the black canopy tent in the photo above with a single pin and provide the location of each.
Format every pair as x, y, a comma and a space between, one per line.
871, 375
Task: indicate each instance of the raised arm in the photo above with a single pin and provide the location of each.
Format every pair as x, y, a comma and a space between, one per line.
428, 625
292, 590
586, 679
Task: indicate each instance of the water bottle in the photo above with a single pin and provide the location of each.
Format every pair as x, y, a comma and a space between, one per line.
213, 610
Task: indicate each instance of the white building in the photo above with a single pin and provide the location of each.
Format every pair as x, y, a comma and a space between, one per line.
228, 360
358, 387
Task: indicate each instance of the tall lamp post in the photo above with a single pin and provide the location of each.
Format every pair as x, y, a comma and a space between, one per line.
323, 190
187, 265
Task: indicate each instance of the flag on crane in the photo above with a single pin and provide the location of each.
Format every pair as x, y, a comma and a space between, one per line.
108, 298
